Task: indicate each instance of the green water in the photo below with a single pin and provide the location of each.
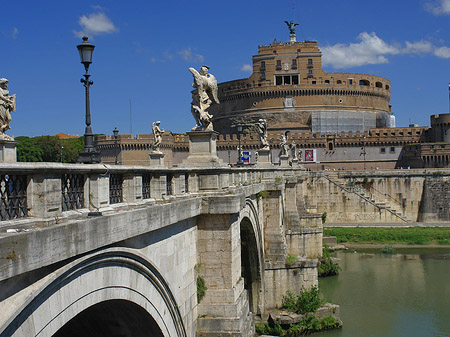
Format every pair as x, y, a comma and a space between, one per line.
405, 294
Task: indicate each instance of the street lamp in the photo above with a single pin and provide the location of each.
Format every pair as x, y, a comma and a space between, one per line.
90, 154
116, 133
239, 129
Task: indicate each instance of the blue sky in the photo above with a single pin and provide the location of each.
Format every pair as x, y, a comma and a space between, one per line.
144, 48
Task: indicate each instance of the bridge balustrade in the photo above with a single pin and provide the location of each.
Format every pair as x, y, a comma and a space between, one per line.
57, 191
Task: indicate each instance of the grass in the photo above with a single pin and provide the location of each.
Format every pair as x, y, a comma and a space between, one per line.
413, 235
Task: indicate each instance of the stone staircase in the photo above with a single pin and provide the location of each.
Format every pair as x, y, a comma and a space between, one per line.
370, 198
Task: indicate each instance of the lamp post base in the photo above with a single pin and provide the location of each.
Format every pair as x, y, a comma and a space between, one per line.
89, 156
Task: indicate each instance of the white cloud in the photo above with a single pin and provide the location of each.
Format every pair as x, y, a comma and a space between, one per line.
247, 68
370, 50
373, 50
419, 47
95, 24
442, 52
188, 55
438, 7
14, 32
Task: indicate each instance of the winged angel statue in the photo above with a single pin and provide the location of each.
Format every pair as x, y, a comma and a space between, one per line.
203, 95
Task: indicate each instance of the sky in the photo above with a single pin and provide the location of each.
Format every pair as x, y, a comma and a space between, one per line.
143, 50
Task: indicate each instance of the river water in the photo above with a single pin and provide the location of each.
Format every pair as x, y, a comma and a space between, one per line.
404, 294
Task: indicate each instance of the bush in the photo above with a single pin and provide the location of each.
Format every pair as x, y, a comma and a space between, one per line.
307, 301
201, 288
327, 267
291, 259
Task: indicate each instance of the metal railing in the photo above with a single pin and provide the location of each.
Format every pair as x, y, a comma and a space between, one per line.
72, 191
13, 194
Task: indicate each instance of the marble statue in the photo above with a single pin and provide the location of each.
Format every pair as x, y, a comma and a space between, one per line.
157, 135
7, 105
204, 94
261, 128
291, 26
294, 150
284, 146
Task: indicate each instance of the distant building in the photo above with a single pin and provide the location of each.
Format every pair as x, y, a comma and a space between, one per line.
65, 136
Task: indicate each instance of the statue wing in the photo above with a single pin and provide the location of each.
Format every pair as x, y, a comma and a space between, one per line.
288, 23
197, 76
213, 87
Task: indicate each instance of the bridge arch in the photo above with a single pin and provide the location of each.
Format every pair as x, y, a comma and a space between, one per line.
116, 277
252, 256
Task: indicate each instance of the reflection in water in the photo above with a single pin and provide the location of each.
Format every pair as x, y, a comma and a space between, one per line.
405, 294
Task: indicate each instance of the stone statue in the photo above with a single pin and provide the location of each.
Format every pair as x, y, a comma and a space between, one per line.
300, 155
7, 105
261, 128
291, 26
284, 146
157, 136
204, 94
294, 150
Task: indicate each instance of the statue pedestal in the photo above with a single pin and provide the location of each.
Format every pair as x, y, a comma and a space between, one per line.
264, 159
156, 158
294, 161
284, 161
202, 149
8, 152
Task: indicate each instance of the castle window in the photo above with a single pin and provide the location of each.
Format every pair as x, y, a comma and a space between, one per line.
339, 82
294, 79
379, 85
278, 80
294, 64
298, 50
392, 150
310, 62
287, 80
278, 67
263, 65
327, 81
350, 81
382, 150
263, 75
387, 87
313, 82
364, 82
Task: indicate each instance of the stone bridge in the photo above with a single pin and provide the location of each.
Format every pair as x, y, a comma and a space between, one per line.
97, 250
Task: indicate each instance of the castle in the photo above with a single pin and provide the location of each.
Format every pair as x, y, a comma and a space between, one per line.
332, 120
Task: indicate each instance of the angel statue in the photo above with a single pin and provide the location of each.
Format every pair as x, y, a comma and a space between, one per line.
203, 95
284, 145
291, 26
261, 128
157, 135
7, 105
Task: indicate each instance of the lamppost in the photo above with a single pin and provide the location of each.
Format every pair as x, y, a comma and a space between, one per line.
363, 151
90, 154
116, 133
239, 129
62, 149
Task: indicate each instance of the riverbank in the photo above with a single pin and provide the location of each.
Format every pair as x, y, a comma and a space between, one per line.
409, 236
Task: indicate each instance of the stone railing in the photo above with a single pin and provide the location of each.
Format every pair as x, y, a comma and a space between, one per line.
52, 191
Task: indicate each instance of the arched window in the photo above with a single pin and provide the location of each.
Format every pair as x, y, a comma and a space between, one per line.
338, 82
364, 82
379, 85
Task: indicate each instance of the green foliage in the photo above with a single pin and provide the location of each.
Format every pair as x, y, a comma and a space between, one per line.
327, 267
308, 325
324, 217
291, 259
307, 301
387, 249
411, 235
266, 329
48, 149
201, 288
277, 179
262, 194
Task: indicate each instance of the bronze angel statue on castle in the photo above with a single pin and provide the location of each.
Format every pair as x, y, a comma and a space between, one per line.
203, 95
